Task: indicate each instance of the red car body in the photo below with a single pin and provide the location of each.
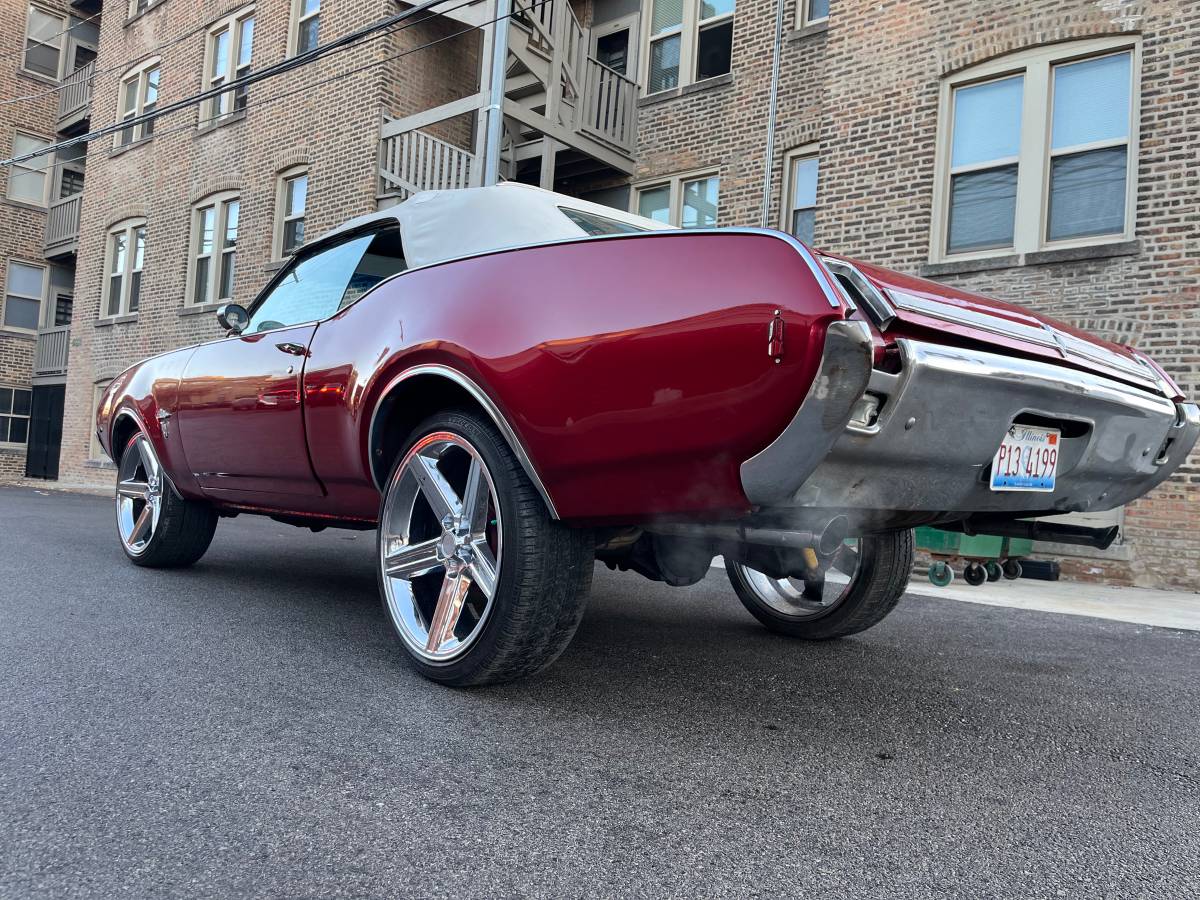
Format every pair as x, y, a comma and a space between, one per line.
636, 375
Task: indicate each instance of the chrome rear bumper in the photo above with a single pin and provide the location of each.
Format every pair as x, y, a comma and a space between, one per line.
942, 419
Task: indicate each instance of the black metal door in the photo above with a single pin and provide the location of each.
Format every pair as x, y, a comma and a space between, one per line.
45, 431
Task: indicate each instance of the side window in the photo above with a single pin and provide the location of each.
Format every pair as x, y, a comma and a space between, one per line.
318, 285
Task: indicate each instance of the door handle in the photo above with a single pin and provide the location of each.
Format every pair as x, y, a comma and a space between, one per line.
294, 349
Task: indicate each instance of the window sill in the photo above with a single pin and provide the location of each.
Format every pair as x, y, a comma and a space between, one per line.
227, 119
695, 87
9, 447
132, 145
116, 320
9, 331
808, 31
137, 17
38, 77
1040, 258
24, 204
99, 464
202, 309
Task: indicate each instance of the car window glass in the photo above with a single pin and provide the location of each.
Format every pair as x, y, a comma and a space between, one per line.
312, 289
384, 258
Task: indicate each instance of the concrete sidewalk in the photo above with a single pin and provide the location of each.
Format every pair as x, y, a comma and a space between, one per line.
1142, 606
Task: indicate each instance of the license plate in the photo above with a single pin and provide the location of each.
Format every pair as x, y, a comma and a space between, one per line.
1027, 459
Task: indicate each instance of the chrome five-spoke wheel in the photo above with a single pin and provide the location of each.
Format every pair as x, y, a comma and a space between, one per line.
140, 486
440, 546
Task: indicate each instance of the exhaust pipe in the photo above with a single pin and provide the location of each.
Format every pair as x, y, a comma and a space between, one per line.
1100, 538
826, 541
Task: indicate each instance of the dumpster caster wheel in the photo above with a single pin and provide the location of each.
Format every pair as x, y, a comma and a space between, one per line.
1011, 569
940, 574
974, 574
993, 570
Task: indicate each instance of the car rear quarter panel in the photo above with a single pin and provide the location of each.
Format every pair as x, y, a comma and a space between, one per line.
635, 371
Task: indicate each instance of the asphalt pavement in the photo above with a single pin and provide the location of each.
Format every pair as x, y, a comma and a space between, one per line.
248, 727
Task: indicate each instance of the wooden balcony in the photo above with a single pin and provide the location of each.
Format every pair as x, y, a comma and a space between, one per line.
53, 347
62, 226
75, 99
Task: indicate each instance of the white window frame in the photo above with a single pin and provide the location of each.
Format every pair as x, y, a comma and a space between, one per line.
41, 299
134, 11
297, 19
804, 16
18, 445
281, 217
675, 183
59, 41
141, 74
211, 110
46, 171
689, 41
219, 204
1033, 160
788, 195
128, 228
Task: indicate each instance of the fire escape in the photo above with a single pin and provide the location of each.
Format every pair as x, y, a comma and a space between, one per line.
560, 113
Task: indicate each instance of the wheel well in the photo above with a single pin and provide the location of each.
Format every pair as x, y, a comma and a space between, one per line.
410, 403
122, 430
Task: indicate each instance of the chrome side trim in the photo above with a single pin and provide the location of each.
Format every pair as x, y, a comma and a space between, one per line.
878, 307
481, 397
771, 476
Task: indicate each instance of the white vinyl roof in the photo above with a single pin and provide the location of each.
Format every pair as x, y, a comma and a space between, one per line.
441, 225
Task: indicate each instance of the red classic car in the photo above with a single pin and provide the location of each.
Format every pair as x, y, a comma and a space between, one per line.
509, 384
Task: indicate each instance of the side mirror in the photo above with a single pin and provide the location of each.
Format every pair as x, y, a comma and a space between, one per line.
233, 317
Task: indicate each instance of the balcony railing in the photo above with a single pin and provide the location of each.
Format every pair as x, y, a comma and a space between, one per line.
609, 105
53, 346
75, 96
62, 225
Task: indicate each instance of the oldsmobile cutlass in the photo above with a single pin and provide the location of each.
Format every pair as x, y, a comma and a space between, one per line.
509, 384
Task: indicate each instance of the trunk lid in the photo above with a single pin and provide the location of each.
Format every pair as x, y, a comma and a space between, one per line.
923, 307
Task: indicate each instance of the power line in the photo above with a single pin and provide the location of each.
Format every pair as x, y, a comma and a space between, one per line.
275, 98
287, 65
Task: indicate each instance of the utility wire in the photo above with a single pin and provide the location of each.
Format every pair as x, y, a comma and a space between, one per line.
275, 98
287, 65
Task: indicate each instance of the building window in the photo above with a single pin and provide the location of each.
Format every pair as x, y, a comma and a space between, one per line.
306, 26
1036, 151
139, 95
137, 7
291, 204
800, 192
689, 41
123, 264
685, 201
813, 11
214, 249
44, 34
230, 45
15, 404
25, 288
28, 181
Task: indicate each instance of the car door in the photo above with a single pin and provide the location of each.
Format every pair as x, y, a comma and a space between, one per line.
240, 412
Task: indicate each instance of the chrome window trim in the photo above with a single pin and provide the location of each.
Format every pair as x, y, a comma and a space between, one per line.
489, 406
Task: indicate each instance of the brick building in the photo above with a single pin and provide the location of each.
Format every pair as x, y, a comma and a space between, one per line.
1042, 152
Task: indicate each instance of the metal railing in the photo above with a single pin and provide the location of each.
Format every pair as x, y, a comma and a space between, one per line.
75, 95
62, 223
53, 347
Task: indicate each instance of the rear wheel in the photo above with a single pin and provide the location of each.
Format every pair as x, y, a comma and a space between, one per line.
157, 527
878, 570
480, 583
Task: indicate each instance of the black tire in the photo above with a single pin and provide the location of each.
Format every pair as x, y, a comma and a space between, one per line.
880, 580
184, 532
994, 572
544, 575
1011, 569
974, 574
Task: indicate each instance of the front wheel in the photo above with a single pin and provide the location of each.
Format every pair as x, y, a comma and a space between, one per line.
157, 527
480, 583
878, 569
